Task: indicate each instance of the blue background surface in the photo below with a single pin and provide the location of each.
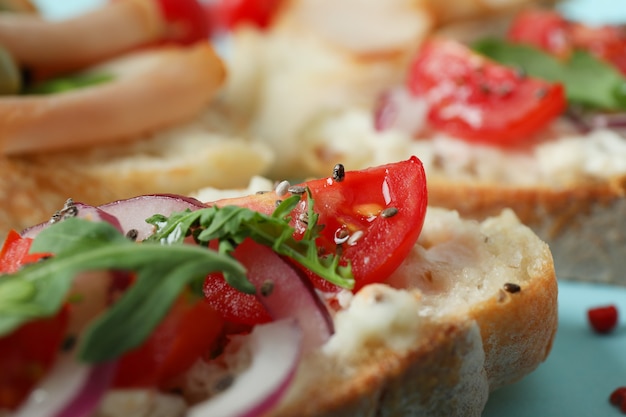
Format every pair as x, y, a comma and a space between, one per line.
583, 368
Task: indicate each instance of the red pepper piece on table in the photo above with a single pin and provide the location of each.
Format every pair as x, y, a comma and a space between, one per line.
603, 319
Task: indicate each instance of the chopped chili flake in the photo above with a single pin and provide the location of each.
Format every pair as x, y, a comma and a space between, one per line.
603, 319
618, 398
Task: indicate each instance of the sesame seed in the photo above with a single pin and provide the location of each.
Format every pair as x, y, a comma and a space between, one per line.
224, 383
282, 188
512, 288
339, 173
341, 236
389, 212
68, 210
297, 189
355, 237
68, 343
304, 217
132, 234
266, 288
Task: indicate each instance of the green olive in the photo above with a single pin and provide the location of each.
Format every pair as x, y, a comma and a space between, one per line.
10, 76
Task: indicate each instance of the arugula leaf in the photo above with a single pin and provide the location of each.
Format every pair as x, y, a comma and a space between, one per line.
588, 81
39, 289
232, 224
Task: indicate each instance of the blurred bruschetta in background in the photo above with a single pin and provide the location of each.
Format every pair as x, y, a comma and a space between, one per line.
335, 100
113, 103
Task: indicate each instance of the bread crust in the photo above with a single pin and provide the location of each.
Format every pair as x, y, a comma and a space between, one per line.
440, 376
66, 45
518, 329
582, 223
160, 88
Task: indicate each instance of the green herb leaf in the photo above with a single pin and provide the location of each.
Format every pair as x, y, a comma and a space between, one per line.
39, 289
231, 225
164, 268
68, 83
588, 81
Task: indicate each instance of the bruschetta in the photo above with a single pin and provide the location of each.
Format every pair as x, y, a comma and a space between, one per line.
563, 174
360, 296
132, 117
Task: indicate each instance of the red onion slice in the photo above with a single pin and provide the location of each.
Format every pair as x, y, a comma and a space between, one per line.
71, 389
585, 122
83, 211
276, 349
286, 292
133, 212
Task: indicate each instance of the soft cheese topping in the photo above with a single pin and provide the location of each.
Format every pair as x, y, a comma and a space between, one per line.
568, 158
378, 315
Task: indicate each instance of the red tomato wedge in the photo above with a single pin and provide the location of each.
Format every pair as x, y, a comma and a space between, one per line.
228, 14
27, 354
14, 253
187, 20
550, 31
474, 98
372, 218
188, 332
545, 29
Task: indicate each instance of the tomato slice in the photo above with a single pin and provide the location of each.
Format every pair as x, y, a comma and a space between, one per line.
234, 306
188, 332
228, 14
550, 31
474, 98
187, 20
375, 214
545, 29
27, 354
14, 253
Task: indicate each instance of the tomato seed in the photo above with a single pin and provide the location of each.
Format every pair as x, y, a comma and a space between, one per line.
603, 319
